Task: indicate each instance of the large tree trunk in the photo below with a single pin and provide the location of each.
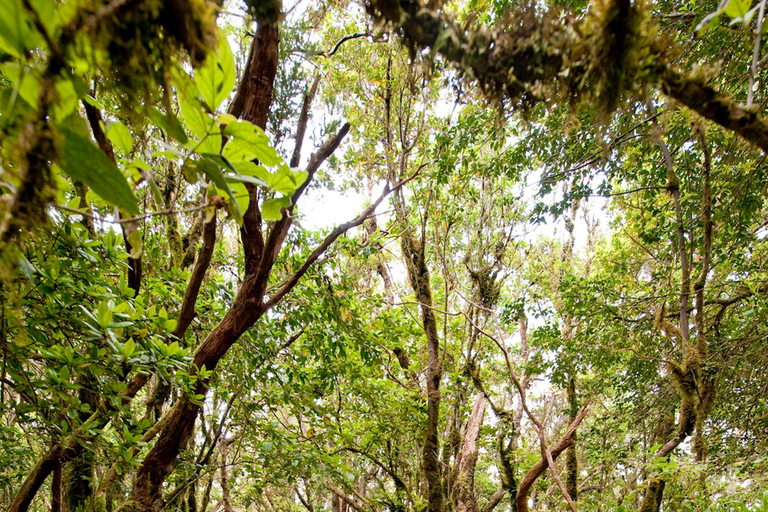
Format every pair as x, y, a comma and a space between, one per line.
251, 102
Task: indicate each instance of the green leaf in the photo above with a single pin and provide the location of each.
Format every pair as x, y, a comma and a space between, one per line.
83, 161
129, 348
120, 136
194, 117
737, 8
248, 142
241, 195
16, 29
216, 77
67, 100
104, 315
240, 178
93, 101
709, 22
270, 210
192, 112
287, 181
170, 325
27, 268
134, 236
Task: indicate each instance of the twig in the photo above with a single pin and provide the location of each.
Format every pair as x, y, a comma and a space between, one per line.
755, 55
75, 211
545, 451
343, 40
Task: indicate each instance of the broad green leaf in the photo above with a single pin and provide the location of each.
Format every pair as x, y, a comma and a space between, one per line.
47, 11
145, 171
129, 348
173, 348
16, 29
248, 142
271, 210
134, 237
27, 268
241, 196
226, 118
737, 8
29, 88
283, 180
216, 77
104, 315
83, 161
287, 181
93, 101
211, 144
194, 117
120, 136
170, 325
25, 79
242, 178
67, 100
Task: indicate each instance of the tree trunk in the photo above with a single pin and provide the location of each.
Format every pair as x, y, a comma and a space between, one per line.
571, 460
56, 490
464, 484
521, 500
226, 502
418, 273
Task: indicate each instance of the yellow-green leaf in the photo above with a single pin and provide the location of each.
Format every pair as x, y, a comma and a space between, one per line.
120, 136
271, 210
737, 8
216, 77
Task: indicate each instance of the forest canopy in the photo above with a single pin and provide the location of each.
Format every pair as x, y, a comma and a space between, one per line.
545, 291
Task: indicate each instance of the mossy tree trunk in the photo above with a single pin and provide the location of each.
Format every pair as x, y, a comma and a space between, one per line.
464, 484
571, 459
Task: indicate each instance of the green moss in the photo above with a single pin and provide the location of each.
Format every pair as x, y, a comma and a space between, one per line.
135, 47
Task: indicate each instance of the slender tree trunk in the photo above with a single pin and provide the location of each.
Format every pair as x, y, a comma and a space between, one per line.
418, 274
226, 501
464, 484
571, 459
56, 490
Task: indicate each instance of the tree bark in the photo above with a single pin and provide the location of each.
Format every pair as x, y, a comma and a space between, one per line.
514, 63
464, 484
251, 102
56, 490
572, 461
418, 273
536, 471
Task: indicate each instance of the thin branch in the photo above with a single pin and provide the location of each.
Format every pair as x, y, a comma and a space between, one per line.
336, 233
301, 128
755, 54
546, 452
356, 35
130, 220
187, 312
